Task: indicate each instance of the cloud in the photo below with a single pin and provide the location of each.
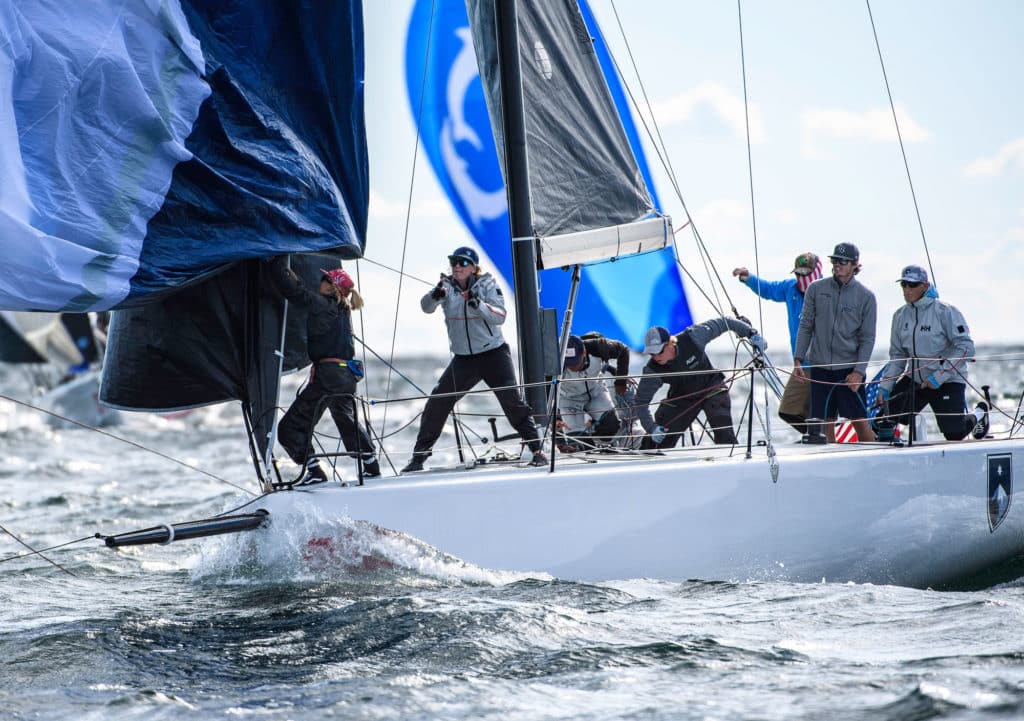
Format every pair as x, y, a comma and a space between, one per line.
1009, 156
720, 100
874, 125
382, 207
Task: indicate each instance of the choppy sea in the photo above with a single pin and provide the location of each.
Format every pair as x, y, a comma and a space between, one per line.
190, 631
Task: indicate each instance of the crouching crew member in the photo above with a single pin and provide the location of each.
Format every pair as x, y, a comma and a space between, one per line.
702, 388
933, 338
584, 404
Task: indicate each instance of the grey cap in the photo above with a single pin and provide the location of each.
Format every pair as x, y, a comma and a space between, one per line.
655, 340
914, 274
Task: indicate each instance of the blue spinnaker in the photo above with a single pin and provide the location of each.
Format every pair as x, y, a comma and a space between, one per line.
145, 145
620, 299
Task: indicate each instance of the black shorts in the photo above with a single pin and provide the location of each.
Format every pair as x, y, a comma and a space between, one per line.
830, 398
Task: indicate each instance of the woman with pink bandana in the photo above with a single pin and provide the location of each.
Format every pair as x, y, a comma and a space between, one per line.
796, 400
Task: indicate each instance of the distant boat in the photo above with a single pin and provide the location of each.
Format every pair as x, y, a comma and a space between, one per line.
263, 153
61, 355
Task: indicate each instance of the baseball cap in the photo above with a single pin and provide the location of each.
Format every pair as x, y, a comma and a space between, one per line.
655, 340
573, 352
805, 263
914, 274
466, 253
846, 251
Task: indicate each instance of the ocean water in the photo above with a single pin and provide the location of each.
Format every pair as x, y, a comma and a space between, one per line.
197, 630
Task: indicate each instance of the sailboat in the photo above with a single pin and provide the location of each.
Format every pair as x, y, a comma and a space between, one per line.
61, 354
195, 325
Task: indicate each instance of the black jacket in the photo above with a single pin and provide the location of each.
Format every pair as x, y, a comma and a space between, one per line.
328, 324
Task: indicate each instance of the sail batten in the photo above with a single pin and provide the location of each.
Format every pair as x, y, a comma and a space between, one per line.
605, 243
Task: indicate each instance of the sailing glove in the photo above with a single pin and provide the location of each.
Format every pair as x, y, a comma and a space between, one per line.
472, 299
658, 434
438, 292
757, 340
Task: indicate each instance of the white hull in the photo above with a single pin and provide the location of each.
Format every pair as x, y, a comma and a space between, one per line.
908, 516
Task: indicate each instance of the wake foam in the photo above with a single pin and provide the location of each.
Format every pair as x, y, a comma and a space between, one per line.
305, 546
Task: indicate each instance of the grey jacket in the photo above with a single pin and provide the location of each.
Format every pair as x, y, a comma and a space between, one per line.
585, 389
837, 325
936, 335
471, 330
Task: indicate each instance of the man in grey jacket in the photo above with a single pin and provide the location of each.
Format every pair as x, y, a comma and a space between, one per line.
836, 337
583, 395
474, 311
694, 384
933, 338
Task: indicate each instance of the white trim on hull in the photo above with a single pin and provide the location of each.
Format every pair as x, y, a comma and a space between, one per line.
908, 516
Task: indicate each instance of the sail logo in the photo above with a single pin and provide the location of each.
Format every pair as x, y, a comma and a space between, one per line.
458, 131
1000, 488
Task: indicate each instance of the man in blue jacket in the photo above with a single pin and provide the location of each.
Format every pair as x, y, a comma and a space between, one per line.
796, 399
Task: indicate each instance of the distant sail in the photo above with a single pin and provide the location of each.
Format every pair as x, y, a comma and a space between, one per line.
146, 145
620, 299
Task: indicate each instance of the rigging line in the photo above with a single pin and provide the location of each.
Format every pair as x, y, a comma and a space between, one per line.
38, 553
396, 270
125, 440
408, 203
41, 551
662, 153
766, 422
899, 136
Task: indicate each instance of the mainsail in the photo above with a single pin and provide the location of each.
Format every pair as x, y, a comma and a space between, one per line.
153, 153
589, 178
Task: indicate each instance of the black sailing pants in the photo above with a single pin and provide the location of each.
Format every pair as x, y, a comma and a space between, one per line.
677, 412
947, 402
336, 385
493, 367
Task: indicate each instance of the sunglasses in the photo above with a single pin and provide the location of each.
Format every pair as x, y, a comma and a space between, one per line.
909, 284
460, 262
840, 261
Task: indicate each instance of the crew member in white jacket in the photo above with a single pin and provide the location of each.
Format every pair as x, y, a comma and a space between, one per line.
932, 338
474, 310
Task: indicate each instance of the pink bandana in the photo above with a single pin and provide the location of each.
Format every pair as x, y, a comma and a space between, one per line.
339, 279
802, 281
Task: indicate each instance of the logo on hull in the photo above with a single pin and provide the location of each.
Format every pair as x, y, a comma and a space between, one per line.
1000, 488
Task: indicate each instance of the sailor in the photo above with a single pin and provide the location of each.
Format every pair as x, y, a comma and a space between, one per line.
796, 399
584, 404
697, 387
836, 337
474, 310
333, 375
931, 337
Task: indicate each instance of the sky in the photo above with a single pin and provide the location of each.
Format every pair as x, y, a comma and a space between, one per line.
824, 157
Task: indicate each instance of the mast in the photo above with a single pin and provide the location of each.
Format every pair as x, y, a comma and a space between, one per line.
517, 183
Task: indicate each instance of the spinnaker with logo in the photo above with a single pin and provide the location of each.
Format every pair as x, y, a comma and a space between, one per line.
237, 135
621, 292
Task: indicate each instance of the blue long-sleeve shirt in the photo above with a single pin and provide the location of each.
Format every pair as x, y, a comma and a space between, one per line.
782, 291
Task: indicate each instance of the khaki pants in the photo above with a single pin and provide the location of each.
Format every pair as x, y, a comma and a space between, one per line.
796, 404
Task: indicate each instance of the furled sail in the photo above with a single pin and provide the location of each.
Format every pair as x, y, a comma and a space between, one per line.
145, 145
590, 188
